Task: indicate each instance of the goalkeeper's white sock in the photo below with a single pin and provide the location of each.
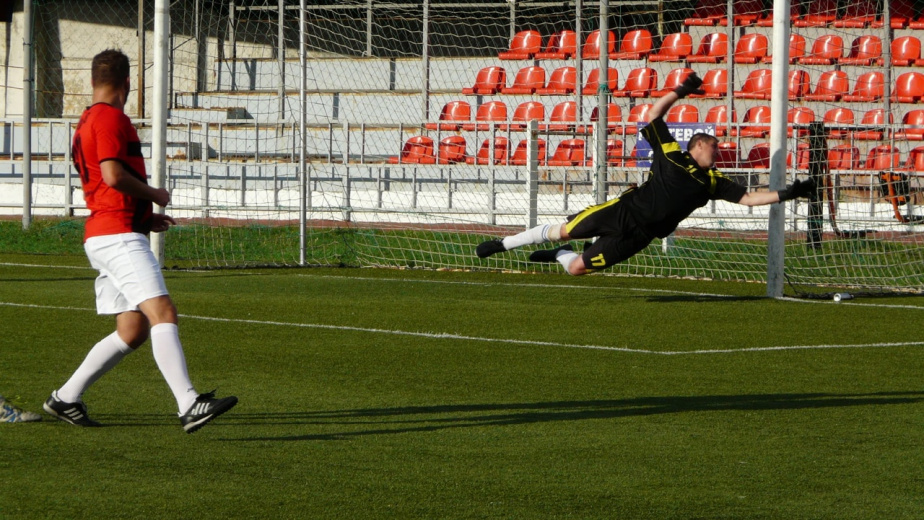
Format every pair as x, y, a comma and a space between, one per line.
101, 358
565, 258
538, 235
168, 354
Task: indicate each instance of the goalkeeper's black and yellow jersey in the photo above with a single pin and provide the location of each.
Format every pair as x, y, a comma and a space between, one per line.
676, 185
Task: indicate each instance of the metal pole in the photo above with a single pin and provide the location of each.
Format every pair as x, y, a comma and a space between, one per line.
532, 181
303, 199
602, 112
281, 51
139, 88
159, 115
369, 28
28, 86
777, 221
425, 63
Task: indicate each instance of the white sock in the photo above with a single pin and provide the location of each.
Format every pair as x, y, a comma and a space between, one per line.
101, 358
168, 354
536, 235
565, 258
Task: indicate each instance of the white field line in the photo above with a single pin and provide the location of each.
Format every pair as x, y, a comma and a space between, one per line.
439, 336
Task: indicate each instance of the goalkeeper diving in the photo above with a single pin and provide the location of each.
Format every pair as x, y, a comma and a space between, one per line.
678, 183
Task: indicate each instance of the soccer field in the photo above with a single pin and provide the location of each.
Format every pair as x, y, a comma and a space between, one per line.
368, 393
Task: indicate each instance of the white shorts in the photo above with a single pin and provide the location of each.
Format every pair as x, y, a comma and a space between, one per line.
128, 272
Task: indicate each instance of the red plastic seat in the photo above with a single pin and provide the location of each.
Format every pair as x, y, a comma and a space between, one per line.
802, 157
912, 126
831, 86
826, 50
591, 49
673, 80
909, 88
751, 48
757, 85
452, 150
523, 114
727, 156
906, 52
593, 81
715, 84
864, 50
615, 152
795, 12
484, 155
882, 157
756, 122
759, 156
718, 115
639, 83
844, 157
820, 13
637, 114
713, 48
870, 86
523, 46
799, 84
838, 121
561, 46
747, 12
915, 161
488, 81
799, 116
417, 150
635, 45
520, 158
674, 47
527, 81
490, 112
682, 113
875, 119
562, 118
569, 152
453, 115
613, 119
707, 13
901, 14
563, 80
857, 14
796, 49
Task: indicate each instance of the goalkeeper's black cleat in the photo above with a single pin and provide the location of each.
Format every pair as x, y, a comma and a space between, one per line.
549, 255
486, 249
204, 410
74, 413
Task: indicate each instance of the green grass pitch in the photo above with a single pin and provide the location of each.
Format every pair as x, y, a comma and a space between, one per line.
372, 393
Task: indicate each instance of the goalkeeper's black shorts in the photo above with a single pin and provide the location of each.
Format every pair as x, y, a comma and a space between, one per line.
619, 235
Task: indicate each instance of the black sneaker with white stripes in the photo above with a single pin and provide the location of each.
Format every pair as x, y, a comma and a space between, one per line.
204, 410
74, 413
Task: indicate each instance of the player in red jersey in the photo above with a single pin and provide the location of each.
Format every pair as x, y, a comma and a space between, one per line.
130, 285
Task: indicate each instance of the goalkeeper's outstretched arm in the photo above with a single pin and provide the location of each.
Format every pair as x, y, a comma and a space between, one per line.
797, 189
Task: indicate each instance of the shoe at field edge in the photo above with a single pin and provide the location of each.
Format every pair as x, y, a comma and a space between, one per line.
204, 410
548, 255
486, 249
73, 413
11, 413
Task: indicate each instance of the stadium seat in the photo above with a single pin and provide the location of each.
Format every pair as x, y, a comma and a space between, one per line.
715, 84
838, 122
882, 157
615, 152
683, 113
593, 81
915, 162
857, 14
527, 81
757, 85
912, 126
417, 150
875, 120
820, 13
756, 122
523, 113
901, 14
713, 48
799, 84
561, 46
795, 12
673, 80
844, 157
674, 47
523, 46
718, 115
909, 88
453, 115
831, 86
488, 113
452, 150
520, 158
707, 13
796, 49
727, 156
759, 156
562, 118
591, 49
488, 81
637, 114
864, 51
826, 50
569, 152
563, 80
751, 48
484, 156
802, 154
870, 86
635, 45
799, 118
639, 83
906, 52
613, 119
747, 12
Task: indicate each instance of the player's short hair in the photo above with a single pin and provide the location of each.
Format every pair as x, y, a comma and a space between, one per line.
110, 67
700, 137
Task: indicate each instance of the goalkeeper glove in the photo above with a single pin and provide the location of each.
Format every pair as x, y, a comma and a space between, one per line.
690, 86
797, 189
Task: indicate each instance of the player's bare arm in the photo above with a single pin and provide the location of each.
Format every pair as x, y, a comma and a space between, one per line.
115, 176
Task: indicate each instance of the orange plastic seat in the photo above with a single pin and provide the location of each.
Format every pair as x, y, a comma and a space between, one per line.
713, 48
799, 118
756, 122
527, 81
876, 120
915, 161
826, 50
635, 45
906, 52
674, 47
593, 81
831, 86
563, 80
570, 152
452, 150
417, 150
682, 113
613, 119
844, 157
488, 113
561, 46
707, 13
912, 126
523, 114
802, 157
751, 48
718, 115
909, 88
882, 157
563, 117
484, 156
796, 49
838, 121
795, 12
901, 14
673, 80
520, 158
757, 85
864, 50
453, 115
857, 14
759, 156
639, 83
870, 86
488, 81
523, 46
727, 156
591, 49
799, 84
715, 84
820, 13
637, 114
615, 152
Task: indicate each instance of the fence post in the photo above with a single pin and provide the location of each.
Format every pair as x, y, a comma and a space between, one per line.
532, 181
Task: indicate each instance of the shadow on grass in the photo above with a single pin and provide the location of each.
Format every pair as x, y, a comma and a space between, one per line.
382, 421
701, 298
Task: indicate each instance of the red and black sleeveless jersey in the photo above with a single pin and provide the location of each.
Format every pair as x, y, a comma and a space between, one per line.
105, 133
676, 185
